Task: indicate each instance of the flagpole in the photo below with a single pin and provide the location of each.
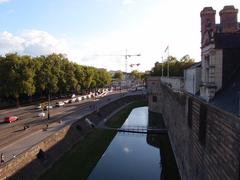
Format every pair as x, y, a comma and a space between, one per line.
168, 63
162, 66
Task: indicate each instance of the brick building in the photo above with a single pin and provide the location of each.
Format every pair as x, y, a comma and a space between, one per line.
220, 50
204, 130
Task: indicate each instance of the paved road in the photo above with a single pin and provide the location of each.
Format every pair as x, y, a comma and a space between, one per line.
28, 115
22, 144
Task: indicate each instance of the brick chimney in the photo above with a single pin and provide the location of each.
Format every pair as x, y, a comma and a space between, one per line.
207, 21
228, 19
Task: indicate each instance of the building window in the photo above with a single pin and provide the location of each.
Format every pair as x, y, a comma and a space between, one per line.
189, 112
154, 99
202, 124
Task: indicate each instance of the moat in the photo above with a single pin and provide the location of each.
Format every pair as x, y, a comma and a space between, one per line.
137, 156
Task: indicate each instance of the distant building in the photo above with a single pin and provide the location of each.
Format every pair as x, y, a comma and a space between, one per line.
126, 82
192, 77
220, 50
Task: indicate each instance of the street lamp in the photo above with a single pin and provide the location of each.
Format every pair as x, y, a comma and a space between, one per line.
48, 104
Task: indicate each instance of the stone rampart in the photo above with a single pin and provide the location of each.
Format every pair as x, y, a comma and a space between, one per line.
204, 138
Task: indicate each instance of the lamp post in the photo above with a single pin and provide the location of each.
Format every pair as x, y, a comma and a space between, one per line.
167, 50
48, 104
162, 66
168, 61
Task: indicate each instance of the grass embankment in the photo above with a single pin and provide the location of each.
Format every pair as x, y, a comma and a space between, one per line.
81, 159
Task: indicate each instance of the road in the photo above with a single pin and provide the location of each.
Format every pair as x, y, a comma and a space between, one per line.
21, 139
28, 115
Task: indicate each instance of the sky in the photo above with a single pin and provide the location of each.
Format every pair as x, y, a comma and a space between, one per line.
98, 32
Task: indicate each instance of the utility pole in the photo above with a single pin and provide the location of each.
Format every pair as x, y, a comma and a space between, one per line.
126, 63
167, 50
162, 66
48, 105
168, 64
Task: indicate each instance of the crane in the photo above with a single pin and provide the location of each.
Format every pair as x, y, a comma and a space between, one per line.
126, 58
126, 55
131, 65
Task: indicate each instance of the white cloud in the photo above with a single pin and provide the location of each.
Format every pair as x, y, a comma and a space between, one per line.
10, 43
40, 42
128, 2
4, 1
31, 42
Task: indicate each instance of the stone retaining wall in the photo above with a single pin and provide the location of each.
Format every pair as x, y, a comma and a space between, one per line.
204, 138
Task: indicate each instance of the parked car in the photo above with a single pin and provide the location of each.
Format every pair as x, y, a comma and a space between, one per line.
66, 101
141, 88
41, 114
73, 99
79, 99
59, 104
10, 119
39, 107
46, 107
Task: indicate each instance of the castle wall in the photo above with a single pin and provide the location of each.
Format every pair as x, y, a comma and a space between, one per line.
205, 139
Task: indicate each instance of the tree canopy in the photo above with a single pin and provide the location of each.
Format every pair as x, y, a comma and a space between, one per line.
118, 75
176, 67
54, 73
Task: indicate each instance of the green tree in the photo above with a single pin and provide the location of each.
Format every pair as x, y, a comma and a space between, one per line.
118, 75
136, 75
70, 77
87, 78
176, 67
78, 75
17, 76
104, 78
27, 75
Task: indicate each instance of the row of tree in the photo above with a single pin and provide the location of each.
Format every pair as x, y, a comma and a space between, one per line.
28, 76
176, 67
134, 75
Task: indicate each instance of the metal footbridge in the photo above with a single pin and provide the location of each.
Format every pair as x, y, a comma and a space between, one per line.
138, 129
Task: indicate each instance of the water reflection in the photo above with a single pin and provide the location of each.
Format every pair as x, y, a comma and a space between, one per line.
169, 168
131, 155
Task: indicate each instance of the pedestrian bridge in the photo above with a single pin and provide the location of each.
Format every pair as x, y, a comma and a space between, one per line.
138, 129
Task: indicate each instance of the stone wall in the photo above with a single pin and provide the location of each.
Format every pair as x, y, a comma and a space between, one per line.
205, 139
175, 83
28, 156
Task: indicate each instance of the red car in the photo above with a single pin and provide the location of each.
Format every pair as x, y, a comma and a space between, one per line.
10, 119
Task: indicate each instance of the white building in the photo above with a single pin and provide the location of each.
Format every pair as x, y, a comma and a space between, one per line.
192, 78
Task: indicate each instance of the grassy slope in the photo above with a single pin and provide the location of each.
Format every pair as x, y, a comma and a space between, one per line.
79, 162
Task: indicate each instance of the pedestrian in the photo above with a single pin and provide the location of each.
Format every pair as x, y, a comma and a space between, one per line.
14, 156
2, 158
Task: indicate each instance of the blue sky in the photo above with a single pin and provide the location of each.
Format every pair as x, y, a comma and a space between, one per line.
82, 29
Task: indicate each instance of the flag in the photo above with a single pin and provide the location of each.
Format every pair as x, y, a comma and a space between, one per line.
166, 49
